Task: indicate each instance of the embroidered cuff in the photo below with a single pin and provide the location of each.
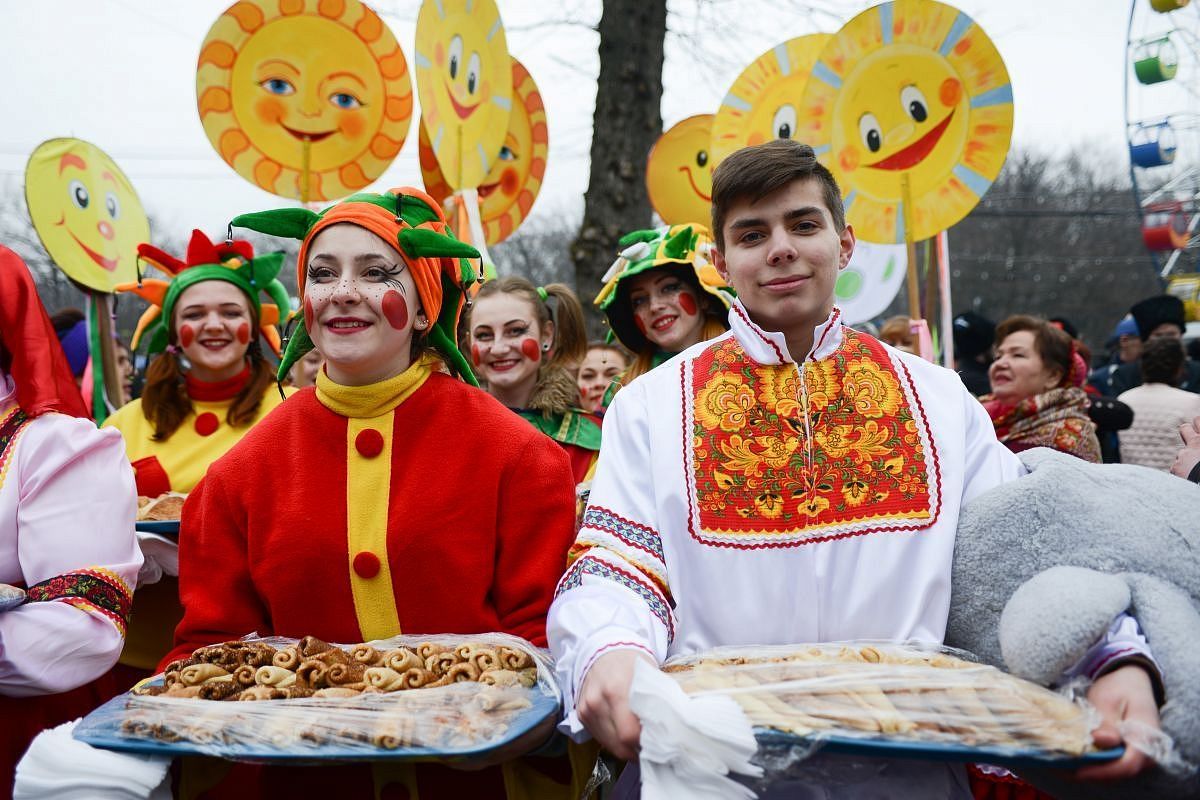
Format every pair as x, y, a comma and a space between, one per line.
93, 589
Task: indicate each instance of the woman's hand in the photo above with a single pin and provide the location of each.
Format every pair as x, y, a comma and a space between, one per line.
1123, 695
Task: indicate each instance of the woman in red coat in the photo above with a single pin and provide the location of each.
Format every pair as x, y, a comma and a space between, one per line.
391, 497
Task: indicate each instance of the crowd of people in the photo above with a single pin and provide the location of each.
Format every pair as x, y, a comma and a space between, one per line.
432, 438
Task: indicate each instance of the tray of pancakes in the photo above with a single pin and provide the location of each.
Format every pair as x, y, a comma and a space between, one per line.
894, 701
160, 514
406, 698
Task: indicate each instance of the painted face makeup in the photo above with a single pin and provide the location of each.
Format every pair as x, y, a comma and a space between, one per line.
209, 318
666, 310
360, 304
600, 367
507, 341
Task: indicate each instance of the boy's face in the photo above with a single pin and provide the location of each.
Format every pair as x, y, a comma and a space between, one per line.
782, 255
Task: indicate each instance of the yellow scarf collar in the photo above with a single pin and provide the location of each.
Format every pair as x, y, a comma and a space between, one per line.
375, 399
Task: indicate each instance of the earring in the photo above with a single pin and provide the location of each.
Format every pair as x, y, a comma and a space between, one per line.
546, 347
421, 324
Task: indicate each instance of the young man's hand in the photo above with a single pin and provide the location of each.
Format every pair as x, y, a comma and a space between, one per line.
1187, 458
1125, 694
603, 703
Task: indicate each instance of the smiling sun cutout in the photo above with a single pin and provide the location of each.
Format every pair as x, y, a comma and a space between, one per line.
916, 88
289, 88
679, 172
510, 187
465, 83
764, 102
86, 213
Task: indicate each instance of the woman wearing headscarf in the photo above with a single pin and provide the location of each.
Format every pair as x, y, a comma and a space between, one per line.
1037, 399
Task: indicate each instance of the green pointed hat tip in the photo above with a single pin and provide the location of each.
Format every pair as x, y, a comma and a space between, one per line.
679, 244
634, 237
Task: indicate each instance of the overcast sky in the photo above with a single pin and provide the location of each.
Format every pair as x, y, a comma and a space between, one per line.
121, 73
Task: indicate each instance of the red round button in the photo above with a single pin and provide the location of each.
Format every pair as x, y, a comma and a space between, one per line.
366, 564
207, 424
369, 443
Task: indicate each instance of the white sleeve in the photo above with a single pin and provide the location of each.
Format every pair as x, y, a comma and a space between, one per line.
986, 461
77, 553
615, 594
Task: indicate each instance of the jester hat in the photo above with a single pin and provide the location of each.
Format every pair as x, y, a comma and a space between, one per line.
232, 262
685, 249
411, 222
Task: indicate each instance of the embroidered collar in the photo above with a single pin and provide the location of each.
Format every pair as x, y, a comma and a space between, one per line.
770, 347
375, 399
215, 391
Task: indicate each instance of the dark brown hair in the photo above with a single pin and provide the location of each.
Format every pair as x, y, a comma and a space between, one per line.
755, 172
1162, 360
1052, 344
166, 403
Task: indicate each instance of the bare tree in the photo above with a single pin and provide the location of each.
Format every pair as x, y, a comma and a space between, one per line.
626, 122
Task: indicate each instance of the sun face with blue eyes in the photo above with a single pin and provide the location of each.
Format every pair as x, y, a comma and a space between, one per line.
508, 191
911, 91
464, 80
284, 95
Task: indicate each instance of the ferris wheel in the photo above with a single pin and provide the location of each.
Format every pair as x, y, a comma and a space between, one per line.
1162, 123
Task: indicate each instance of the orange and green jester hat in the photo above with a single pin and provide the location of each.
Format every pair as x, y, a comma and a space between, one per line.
410, 221
232, 261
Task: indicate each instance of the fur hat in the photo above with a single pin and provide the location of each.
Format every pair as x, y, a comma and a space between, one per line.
1159, 310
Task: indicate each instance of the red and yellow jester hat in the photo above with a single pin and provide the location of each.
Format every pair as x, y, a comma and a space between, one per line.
232, 262
413, 224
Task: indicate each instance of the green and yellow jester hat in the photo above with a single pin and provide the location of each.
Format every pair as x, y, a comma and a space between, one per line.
411, 222
687, 249
232, 261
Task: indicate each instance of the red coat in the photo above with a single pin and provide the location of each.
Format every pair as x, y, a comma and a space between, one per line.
480, 517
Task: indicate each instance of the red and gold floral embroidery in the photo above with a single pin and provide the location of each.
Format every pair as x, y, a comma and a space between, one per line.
757, 480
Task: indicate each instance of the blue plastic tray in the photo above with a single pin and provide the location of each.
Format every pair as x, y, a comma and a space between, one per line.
935, 751
167, 527
101, 728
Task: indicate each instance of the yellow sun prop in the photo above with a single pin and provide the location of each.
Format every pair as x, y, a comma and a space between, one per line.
509, 189
296, 89
679, 172
764, 101
86, 213
465, 83
916, 88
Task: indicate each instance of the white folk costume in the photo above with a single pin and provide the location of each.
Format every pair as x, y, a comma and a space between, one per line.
774, 502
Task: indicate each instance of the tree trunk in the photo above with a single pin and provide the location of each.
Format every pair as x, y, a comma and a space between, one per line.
626, 123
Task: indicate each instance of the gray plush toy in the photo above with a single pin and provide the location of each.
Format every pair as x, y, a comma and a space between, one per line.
1044, 563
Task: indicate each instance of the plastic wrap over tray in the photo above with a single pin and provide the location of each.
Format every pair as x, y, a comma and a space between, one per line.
408, 697
894, 700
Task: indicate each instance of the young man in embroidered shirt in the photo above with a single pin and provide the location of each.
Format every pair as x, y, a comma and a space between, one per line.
790, 481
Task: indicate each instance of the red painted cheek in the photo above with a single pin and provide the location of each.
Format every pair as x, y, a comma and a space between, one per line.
530, 349
476, 356
395, 309
641, 324
186, 335
243, 333
308, 314
688, 304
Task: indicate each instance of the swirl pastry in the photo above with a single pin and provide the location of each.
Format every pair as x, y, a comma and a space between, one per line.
277, 677
311, 646
416, 678
335, 691
440, 663
384, 678
403, 660
427, 649
219, 689
311, 673
342, 674
244, 675
197, 674
288, 658
457, 673
261, 693
512, 658
366, 655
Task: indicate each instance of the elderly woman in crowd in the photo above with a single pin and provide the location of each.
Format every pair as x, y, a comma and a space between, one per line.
1037, 399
